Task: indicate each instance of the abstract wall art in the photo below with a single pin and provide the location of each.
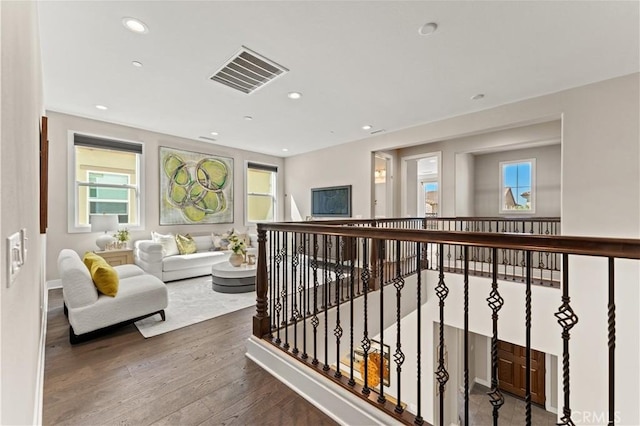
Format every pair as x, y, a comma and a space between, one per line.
195, 188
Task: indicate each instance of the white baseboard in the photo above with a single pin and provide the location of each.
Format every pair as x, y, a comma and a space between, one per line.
482, 382
338, 403
51, 284
39, 397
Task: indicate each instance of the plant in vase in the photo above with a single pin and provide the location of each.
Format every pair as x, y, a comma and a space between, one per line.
239, 248
122, 237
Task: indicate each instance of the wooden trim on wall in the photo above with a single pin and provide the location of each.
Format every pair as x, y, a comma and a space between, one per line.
44, 174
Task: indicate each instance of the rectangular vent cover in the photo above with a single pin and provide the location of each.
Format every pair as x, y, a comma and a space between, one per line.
248, 71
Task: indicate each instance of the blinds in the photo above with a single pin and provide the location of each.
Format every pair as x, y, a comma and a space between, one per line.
103, 143
265, 167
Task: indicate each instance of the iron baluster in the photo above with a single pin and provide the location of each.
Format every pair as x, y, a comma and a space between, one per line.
352, 272
278, 308
495, 301
366, 343
466, 335
314, 321
337, 331
381, 397
418, 419
567, 319
398, 356
527, 396
294, 301
441, 373
612, 342
325, 367
285, 281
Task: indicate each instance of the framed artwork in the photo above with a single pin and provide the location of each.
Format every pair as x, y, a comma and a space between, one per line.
195, 188
334, 201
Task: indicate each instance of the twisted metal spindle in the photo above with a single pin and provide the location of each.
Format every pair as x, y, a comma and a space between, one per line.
352, 273
337, 331
567, 320
381, 397
418, 419
527, 397
441, 373
466, 335
314, 320
398, 356
495, 301
612, 342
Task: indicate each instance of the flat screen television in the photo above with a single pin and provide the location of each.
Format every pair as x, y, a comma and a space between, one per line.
334, 201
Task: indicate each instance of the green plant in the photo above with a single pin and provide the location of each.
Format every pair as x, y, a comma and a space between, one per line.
237, 244
122, 235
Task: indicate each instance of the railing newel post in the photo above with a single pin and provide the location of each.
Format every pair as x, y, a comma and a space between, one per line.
261, 319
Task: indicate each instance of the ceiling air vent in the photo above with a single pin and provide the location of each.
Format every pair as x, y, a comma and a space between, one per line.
247, 71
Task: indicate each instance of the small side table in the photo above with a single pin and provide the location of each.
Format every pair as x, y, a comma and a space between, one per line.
117, 257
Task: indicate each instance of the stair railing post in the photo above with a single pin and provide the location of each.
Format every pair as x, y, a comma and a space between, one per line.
261, 318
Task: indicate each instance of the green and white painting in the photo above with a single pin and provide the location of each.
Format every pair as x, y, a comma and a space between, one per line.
195, 188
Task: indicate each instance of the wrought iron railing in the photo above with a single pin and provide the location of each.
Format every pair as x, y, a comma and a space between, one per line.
323, 292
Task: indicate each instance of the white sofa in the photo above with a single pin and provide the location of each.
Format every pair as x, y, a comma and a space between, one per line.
152, 258
91, 313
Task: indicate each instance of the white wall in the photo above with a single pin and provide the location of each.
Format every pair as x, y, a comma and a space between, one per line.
464, 175
600, 131
59, 127
20, 305
547, 187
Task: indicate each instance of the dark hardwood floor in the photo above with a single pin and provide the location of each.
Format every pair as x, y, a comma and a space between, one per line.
191, 376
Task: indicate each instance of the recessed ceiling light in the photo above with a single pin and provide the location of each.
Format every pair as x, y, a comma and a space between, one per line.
248, 117
428, 29
135, 25
137, 64
285, 150
294, 95
214, 133
101, 107
366, 127
477, 97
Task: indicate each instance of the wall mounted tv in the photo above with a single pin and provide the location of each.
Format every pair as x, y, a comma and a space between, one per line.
334, 201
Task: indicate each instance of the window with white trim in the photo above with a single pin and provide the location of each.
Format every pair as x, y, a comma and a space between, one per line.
105, 177
261, 193
517, 186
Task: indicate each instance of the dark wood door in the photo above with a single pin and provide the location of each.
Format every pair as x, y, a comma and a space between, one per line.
512, 371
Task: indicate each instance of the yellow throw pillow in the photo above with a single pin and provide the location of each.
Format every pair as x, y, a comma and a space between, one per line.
185, 243
105, 278
90, 257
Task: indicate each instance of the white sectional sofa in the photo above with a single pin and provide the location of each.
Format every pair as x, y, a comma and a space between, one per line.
91, 313
152, 257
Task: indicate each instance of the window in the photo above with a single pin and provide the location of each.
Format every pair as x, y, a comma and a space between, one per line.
517, 186
104, 178
431, 198
261, 193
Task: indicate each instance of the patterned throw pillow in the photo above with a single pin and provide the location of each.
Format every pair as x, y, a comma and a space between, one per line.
220, 242
185, 243
169, 245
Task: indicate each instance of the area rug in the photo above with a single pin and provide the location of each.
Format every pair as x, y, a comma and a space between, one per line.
192, 301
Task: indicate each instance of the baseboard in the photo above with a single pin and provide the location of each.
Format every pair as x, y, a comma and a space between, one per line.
482, 382
39, 396
336, 402
52, 284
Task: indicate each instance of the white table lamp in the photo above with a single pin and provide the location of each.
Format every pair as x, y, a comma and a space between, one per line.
104, 223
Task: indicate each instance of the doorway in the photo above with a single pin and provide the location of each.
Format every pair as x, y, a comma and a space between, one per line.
383, 185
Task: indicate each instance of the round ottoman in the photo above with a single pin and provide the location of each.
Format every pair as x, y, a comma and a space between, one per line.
226, 278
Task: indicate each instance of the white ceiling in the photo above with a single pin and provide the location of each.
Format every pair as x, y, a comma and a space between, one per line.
355, 63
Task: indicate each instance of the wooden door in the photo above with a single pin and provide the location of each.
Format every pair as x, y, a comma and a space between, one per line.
512, 368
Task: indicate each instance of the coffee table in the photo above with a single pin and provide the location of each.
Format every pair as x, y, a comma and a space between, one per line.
226, 278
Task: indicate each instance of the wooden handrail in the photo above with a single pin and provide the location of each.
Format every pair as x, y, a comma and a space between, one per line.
494, 218
625, 248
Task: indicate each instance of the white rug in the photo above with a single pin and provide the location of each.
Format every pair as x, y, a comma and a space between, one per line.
192, 301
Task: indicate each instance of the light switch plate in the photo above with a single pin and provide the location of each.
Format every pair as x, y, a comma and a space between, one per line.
15, 256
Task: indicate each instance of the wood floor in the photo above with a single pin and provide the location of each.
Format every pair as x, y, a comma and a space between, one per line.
197, 375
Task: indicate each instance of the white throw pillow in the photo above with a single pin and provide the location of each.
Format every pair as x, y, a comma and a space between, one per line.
169, 245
